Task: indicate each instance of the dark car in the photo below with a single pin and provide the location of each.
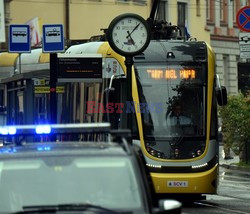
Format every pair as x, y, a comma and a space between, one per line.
101, 175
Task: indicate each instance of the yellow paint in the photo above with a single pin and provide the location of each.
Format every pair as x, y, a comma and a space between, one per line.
8, 59
211, 73
200, 182
44, 58
46, 89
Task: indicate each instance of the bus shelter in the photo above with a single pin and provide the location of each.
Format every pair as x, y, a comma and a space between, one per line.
24, 71
26, 92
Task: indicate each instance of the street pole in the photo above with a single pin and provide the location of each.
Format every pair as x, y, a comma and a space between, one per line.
129, 63
53, 82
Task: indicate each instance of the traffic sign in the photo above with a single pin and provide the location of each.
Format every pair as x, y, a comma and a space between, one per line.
19, 39
243, 19
244, 38
53, 38
244, 43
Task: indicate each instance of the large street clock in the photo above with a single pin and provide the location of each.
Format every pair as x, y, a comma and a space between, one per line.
128, 34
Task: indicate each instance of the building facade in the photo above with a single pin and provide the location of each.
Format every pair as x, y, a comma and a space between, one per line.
224, 32
26, 95
84, 18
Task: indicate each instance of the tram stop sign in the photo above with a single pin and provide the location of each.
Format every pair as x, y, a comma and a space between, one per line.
243, 19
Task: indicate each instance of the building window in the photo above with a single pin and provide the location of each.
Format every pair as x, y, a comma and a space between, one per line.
221, 8
182, 16
234, 8
243, 3
162, 11
208, 9
120, 1
140, 2
198, 8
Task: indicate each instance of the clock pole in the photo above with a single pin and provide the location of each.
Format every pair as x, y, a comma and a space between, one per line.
128, 35
129, 63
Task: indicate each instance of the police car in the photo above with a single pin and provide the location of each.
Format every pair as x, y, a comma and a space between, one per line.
74, 168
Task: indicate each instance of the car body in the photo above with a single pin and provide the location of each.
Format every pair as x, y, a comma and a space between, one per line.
77, 176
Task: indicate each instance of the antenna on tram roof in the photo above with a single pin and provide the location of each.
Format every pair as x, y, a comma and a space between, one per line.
161, 29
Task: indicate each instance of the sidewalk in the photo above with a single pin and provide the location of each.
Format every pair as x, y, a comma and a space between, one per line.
232, 163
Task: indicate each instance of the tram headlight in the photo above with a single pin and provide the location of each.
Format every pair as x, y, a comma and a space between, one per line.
196, 153
154, 152
158, 155
176, 152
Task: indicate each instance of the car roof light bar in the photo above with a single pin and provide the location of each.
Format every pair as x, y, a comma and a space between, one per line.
73, 128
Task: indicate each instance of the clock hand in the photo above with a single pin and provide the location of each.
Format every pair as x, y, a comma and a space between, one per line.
135, 28
129, 35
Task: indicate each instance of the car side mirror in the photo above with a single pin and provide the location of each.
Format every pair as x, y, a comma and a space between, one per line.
221, 94
170, 206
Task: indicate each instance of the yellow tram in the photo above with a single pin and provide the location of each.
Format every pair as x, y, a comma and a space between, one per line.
182, 158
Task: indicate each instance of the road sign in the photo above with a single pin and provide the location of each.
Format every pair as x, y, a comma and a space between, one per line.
245, 55
53, 38
19, 39
243, 19
244, 38
244, 43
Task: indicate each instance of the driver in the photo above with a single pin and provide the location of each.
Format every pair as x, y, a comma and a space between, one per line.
176, 117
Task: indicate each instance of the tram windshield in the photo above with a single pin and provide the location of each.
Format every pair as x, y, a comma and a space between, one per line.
172, 106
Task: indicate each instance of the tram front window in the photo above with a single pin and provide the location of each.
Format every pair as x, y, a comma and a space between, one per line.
172, 106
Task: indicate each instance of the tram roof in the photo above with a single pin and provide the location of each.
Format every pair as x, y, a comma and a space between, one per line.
30, 62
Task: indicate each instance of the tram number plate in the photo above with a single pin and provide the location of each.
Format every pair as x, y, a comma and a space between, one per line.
177, 183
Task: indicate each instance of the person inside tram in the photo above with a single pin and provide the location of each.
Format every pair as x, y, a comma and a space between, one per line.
176, 117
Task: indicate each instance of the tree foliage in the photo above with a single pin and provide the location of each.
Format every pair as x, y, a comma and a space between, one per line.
236, 121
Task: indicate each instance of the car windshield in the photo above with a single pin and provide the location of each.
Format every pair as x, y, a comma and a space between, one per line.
109, 182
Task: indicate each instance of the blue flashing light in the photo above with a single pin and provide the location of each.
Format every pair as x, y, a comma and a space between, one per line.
11, 130
4, 131
45, 148
7, 150
43, 129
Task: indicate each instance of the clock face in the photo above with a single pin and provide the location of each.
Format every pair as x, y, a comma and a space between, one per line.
128, 34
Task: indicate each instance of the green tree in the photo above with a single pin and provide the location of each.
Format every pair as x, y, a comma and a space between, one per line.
236, 123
